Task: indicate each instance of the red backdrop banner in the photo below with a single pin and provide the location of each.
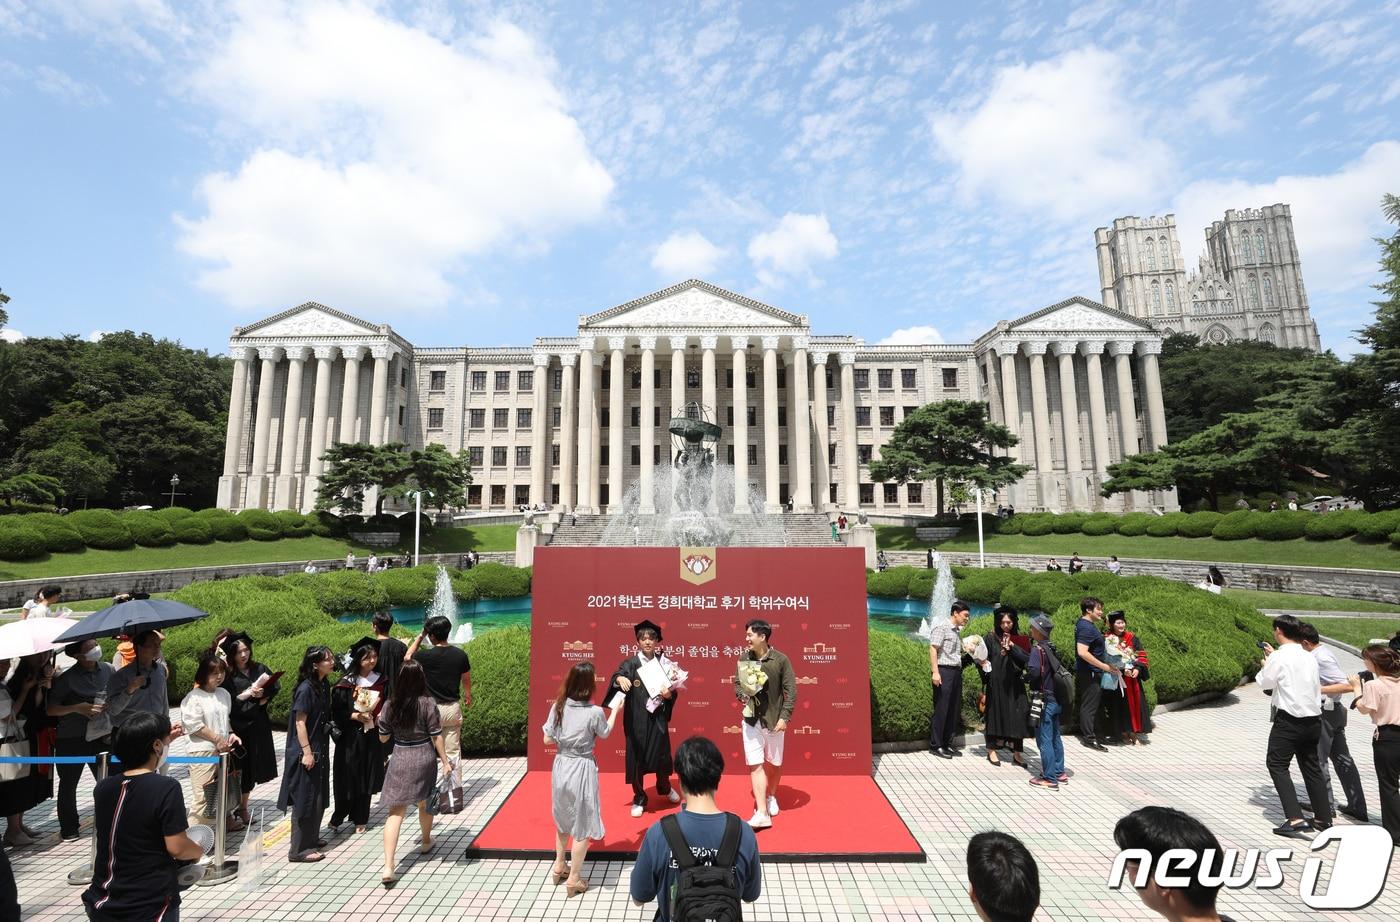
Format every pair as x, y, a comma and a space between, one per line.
586, 600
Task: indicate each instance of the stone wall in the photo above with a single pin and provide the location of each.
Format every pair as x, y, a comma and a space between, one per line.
106, 585
1372, 585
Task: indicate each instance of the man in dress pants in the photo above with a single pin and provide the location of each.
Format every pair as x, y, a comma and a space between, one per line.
1332, 746
946, 659
1289, 675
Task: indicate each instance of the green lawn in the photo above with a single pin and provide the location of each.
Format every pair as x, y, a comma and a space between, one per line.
1345, 552
1357, 631
439, 541
1300, 602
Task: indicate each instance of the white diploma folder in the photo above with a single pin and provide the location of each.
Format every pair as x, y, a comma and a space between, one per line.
653, 677
617, 700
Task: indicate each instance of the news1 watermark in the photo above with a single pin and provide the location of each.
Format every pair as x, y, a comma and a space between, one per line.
1358, 875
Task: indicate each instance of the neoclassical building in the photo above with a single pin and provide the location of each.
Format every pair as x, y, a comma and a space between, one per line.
572, 421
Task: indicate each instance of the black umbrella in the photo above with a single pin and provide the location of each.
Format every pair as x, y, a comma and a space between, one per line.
131, 618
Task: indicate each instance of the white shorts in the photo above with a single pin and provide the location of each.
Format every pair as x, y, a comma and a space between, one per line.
762, 745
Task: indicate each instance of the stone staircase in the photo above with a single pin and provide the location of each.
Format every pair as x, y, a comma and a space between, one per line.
778, 530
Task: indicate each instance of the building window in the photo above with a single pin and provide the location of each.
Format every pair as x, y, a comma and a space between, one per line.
1171, 296
603, 455
524, 380
498, 456
782, 378
476, 419
475, 455
862, 378
522, 418
655, 454
909, 411
554, 494
636, 416
403, 378
887, 416
862, 416
522, 456
729, 454
885, 376
950, 377
604, 377
1259, 246
478, 380
555, 415
400, 416
916, 493
830, 415
1268, 292
891, 494
753, 454
830, 377
474, 495
729, 416
656, 416
522, 495
502, 381
692, 377
554, 454
867, 494
752, 416
863, 453
604, 417
1156, 297
556, 379
498, 495
782, 416
1254, 292
500, 418
636, 456
435, 417
782, 454
908, 378
636, 378
831, 453
437, 380
1151, 251
832, 493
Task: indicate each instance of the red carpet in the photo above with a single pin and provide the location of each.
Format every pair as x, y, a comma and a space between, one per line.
822, 818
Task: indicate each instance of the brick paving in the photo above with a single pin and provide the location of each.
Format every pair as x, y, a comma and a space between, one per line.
1207, 760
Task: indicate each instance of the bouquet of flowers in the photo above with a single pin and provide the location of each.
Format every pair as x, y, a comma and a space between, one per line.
976, 648
751, 678
366, 700
675, 677
1117, 655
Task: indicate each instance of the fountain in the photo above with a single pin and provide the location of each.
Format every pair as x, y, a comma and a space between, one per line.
692, 497
941, 599
444, 604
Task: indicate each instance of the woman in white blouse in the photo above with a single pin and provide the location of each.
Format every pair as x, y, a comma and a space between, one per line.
205, 716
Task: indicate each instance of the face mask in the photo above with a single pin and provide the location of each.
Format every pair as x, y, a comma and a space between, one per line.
94, 655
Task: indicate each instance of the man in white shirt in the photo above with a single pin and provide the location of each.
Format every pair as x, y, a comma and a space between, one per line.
1332, 746
1290, 676
1114, 566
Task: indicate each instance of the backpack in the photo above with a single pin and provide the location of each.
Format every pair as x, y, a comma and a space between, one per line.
1060, 676
705, 892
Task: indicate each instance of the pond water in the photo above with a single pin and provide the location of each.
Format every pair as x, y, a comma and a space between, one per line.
896, 616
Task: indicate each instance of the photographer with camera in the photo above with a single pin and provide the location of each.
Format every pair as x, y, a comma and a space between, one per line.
1378, 696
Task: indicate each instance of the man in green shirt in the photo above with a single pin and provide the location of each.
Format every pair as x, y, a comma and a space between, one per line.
765, 730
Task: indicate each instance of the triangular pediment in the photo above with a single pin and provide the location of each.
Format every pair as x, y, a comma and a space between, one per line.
1078, 315
310, 319
693, 303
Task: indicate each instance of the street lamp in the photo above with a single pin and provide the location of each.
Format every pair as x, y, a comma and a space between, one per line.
417, 522
174, 482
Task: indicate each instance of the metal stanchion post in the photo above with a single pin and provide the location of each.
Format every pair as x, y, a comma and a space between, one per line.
222, 870
82, 875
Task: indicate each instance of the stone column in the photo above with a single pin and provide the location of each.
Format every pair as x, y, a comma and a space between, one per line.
585, 426
771, 472
1152, 385
595, 478
1098, 413
320, 422
1011, 412
349, 428
821, 497
539, 431
801, 428
677, 375
708, 385
230, 482
568, 430
617, 385
850, 458
646, 502
257, 496
1048, 493
1127, 405
739, 432
379, 394
285, 495
1076, 491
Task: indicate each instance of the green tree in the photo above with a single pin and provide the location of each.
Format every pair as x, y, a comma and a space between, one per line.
78, 470
436, 471
948, 442
34, 488
351, 470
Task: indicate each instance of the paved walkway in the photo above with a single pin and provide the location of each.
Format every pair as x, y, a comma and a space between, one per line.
1207, 760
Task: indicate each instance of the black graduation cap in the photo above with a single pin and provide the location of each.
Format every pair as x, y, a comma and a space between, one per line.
647, 625
231, 640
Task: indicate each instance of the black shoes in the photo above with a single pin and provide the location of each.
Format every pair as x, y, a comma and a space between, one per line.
1088, 742
944, 753
1354, 814
1297, 830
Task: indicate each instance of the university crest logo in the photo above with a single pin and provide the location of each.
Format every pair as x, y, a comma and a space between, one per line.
699, 565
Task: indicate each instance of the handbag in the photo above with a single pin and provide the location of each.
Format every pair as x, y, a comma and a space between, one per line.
13, 745
448, 798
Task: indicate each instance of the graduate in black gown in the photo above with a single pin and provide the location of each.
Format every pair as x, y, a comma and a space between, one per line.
1008, 707
359, 756
646, 731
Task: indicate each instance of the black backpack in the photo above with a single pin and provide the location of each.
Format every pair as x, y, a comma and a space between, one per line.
1063, 681
705, 892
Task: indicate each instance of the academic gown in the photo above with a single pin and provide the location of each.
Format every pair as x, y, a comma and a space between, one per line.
1127, 711
647, 732
1008, 707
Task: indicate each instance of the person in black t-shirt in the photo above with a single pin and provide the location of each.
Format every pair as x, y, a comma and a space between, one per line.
140, 830
392, 651
1162, 830
448, 672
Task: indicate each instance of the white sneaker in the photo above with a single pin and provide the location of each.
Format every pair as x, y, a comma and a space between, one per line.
772, 805
637, 809
674, 797
759, 821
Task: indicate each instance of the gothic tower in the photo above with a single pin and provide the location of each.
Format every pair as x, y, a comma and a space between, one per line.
1256, 252
1141, 271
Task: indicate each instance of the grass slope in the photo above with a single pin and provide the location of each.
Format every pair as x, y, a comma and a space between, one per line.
1357, 631
1300, 602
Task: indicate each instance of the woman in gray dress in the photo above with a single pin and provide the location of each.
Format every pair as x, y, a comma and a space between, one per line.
412, 721
575, 725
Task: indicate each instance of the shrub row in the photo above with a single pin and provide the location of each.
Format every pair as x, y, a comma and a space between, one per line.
24, 537
1282, 525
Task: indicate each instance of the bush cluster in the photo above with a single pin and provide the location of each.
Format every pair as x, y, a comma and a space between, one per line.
1282, 525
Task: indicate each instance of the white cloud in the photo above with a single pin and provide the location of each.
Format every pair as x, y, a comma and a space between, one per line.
1058, 137
1335, 215
912, 336
11, 335
131, 25
1321, 94
383, 158
63, 86
686, 255
1216, 103
96, 335
1334, 40
790, 248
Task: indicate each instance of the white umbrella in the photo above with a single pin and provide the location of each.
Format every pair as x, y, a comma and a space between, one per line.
32, 635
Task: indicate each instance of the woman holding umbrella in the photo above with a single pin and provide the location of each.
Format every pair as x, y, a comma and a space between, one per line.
252, 687
356, 701
306, 773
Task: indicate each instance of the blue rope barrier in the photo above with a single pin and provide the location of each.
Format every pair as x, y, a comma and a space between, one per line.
92, 760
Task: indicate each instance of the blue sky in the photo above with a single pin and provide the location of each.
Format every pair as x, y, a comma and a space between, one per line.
480, 174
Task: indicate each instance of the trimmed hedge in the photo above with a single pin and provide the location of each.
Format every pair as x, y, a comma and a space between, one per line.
1164, 526
1280, 525
900, 688
1333, 525
19, 540
495, 724
261, 524
58, 533
191, 530
1100, 523
1284, 525
1134, 524
101, 528
224, 524
1199, 524
148, 529
1378, 526
1236, 526
293, 523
